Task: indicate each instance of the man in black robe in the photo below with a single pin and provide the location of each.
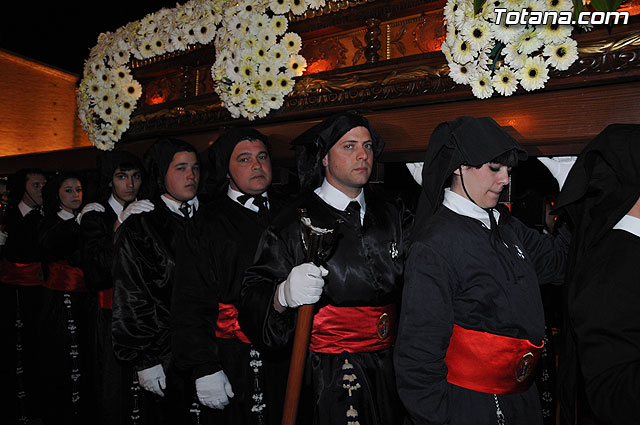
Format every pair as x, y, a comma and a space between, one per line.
120, 177
472, 320
602, 327
232, 225
355, 289
20, 297
156, 252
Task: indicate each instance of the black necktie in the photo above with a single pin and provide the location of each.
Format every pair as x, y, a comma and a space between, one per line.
353, 211
258, 201
185, 209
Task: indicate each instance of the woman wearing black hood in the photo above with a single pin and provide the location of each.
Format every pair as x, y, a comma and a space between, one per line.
472, 323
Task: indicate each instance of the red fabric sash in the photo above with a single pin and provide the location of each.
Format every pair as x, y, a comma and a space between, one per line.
29, 274
353, 329
64, 277
227, 326
490, 363
105, 298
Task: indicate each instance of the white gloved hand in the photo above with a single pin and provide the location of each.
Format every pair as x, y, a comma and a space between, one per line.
153, 379
303, 285
559, 167
3, 237
214, 390
93, 206
136, 207
415, 168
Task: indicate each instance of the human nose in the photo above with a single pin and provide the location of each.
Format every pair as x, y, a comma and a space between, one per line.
130, 182
503, 177
362, 153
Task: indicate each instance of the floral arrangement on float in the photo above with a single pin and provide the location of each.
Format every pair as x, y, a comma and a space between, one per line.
493, 56
256, 59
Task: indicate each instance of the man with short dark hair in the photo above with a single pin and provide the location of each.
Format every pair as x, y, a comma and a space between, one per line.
355, 289
120, 177
156, 253
20, 296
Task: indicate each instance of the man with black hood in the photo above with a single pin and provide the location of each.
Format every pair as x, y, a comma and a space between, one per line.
157, 252
240, 178
472, 321
602, 327
21, 297
119, 180
355, 288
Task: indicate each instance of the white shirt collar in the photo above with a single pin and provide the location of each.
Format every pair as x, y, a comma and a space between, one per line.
461, 205
115, 205
65, 215
630, 224
24, 208
234, 194
339, 200
174, 206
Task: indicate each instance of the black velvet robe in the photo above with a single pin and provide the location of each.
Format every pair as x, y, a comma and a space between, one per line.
26, 301
155, 253
455, 275
113, 381
61, 240
232, 233
364, 270
604, 311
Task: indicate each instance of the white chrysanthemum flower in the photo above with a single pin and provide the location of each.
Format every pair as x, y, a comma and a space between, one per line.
119, 57
298, 7
561, 56
122, 75
126, 105
450, 10
532, 5
478, 33
104, 77
120, 122
274, 101
93, 86
297, 65
132, 90
237, 92
205, 32
106, 110
144, 49
512, 5
292, 42
462, 74
176, 38
506, 33
157, 45
105, 96
314, 4
505, 81
280, 7
268, 82
462, 51
554, 33
446, 50
484, 61
189, 34
528, 42
279, 24
247, 70
253, 102
260, 53
260, 22
481, 85
534, 74
513, 57
284, 84
279, 53
268, 37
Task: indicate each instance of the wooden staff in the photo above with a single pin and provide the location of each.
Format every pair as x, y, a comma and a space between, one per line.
303, 332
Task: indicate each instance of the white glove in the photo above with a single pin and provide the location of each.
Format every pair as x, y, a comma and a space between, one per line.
303, 285
136, 207
3, 237
153, 379
415, 168
559, 167
214, 390
93, 206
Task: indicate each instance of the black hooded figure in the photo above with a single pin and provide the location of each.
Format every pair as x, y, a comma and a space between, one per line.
155, 253
349, 368
472, 322
232, 224
67, 325
113, 381
601, 335
21, 298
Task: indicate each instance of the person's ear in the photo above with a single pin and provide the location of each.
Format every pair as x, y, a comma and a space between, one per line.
325, 160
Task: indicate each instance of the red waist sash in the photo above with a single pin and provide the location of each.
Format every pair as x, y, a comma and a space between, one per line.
353, 329
105, 298
490, 363
64, 277
227, 326
24, 274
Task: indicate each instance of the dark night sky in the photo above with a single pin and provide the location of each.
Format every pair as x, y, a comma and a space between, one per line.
61, 34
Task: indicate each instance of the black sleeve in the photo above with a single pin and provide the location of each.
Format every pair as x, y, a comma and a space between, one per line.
97, 251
